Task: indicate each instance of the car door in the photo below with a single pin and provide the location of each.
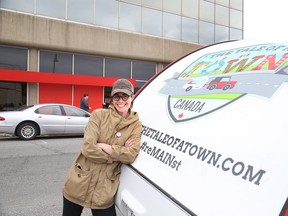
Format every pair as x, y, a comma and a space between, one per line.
76, 120
50, 119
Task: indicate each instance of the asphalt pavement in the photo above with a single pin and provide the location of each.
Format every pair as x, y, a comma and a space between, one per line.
33, 173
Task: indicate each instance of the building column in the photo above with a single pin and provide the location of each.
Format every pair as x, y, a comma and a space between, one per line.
33, 88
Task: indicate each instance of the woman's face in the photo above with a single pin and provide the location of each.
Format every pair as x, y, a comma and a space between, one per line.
122, 103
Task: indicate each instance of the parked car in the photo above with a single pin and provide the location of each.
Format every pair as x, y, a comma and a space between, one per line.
44, 119
212, 153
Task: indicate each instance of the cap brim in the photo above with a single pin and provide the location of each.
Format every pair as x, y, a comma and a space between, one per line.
126, 91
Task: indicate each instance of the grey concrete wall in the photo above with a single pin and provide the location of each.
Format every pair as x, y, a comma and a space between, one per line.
42, 33
32, 93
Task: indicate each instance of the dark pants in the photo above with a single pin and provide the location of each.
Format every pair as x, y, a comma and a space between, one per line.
72, 209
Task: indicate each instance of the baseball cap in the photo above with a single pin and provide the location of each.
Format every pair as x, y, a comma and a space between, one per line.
122, 85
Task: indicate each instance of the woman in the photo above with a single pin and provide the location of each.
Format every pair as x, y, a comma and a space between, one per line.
111, 137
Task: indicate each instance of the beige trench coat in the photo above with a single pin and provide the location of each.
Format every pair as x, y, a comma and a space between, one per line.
93, 179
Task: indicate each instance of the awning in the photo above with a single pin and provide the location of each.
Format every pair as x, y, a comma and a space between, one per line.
55, 78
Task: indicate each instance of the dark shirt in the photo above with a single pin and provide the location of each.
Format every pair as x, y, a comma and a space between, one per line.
84, 104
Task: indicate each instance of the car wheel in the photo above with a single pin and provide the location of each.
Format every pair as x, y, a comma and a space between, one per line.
212, 87
226, 87
27, 131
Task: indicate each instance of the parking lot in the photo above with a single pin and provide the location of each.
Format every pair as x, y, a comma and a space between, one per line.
32, 174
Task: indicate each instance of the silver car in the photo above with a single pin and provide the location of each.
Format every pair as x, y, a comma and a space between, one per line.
44, 119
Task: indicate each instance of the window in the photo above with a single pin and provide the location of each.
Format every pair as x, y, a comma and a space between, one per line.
206, 33
163, 18
235, 19
207, 11
13, 58
107, 97
143, 70
49, 110
106, 13
55, 62
130, 17
88, 65
151, 22
171, 26
71, 111
237, 4
117, 68
221, 33
190, 8
26, 6
138, 2
81, 10
152, 4
222, 15
12, 95
172, 6
189, 30
52, 8
235, 34
139, 84
223, 2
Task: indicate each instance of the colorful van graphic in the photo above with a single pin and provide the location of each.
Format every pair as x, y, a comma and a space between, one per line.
214, 137
215, 79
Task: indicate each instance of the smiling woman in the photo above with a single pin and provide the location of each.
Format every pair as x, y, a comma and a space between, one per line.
111, 138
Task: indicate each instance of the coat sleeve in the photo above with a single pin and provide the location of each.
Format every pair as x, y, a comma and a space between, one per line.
91, 134
128, 155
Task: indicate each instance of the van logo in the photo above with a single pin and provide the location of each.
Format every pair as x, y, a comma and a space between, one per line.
217, 79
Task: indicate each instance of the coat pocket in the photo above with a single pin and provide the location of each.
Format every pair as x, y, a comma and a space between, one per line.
78, 181
104, 195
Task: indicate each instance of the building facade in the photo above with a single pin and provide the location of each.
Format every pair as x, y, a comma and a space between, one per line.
55, 51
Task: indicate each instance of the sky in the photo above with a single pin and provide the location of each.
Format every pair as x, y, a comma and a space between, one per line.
265, 20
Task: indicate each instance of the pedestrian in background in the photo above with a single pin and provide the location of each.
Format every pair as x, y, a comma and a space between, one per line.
111, 138
84, 102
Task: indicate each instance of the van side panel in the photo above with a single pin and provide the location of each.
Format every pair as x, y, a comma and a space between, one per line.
214, 138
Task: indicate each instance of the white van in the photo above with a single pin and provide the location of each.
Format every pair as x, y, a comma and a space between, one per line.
213, 151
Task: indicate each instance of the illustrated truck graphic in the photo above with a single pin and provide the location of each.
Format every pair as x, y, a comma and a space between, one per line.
223, 83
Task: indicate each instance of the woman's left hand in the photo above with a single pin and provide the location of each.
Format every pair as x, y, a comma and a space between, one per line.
130, 142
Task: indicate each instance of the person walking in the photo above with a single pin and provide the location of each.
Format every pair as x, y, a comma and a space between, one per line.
84, 102
112, 137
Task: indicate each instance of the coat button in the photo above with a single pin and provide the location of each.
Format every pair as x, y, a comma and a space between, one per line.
79, 175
